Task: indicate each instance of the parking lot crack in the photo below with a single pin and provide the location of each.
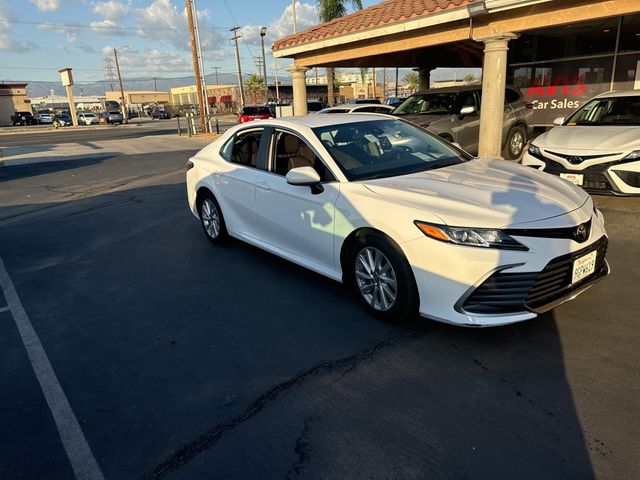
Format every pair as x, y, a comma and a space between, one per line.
210, 438
303, 450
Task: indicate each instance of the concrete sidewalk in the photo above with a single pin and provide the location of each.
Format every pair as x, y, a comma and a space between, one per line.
102, 149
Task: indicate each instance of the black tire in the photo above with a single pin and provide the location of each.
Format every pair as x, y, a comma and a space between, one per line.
211, 218
516, 141
372, 287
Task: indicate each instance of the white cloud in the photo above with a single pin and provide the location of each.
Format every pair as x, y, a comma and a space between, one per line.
112, 10
47, 5
162, 22
104, 27
306, 16
7, 42
61, 29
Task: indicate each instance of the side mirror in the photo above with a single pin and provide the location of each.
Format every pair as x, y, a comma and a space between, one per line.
305, 176
558, 121
467, 110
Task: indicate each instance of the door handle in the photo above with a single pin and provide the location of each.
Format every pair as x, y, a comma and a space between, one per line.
263, 185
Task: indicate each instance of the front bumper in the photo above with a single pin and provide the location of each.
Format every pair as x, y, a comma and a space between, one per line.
481, 287
613, 177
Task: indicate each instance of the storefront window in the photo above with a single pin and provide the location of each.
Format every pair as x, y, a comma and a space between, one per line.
630, 34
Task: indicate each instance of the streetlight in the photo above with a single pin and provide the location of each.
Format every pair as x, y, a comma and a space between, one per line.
125, 116
263, 32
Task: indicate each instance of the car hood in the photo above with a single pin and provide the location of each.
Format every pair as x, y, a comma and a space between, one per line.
595, 138
484, 193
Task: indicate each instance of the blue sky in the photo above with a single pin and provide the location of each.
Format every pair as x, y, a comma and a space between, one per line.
39, 37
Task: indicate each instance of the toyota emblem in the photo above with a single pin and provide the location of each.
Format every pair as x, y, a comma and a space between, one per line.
575, 160
582, 232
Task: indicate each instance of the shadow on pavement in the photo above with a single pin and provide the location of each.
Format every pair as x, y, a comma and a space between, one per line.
251, 367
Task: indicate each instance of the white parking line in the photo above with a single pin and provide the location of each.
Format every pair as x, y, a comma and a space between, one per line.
82, 461
4, 309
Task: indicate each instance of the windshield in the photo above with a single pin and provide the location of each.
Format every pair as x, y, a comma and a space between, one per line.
608, 111
385, 148
256, 111
431, 103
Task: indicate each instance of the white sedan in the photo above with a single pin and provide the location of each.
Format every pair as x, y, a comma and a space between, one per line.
88, 119
412, 223
597, 147
358, 108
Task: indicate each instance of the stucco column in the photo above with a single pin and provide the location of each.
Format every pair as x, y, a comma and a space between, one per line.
494, 77
424, 78
298, 80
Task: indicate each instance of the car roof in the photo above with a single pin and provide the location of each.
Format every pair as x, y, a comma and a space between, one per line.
353, 106
619, 93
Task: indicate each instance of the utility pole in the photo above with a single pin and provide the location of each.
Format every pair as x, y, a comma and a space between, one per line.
396, 81
275, 64
196, 65
155, 84
203, 75
263, 32
235, 39
373, 74
125, 116
295, 27
216, 70
384, 82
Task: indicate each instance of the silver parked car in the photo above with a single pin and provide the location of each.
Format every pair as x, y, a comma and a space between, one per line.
454, 114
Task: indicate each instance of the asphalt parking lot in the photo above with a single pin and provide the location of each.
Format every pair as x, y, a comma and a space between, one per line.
184, 360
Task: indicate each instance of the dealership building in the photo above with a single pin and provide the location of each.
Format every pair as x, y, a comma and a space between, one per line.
559, 53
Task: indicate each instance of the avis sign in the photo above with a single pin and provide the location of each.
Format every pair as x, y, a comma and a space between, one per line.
559, 97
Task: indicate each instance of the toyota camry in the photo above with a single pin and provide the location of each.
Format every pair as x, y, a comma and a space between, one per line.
412, 223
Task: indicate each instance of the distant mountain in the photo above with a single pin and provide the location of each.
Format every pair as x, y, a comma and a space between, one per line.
41, 89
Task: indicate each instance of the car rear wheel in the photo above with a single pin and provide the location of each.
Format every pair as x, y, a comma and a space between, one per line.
383, 279
211, 218
516, 140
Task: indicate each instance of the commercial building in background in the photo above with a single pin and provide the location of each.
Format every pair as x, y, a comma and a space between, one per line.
83, 103
222, 97
138, 100
13, 98
559, 68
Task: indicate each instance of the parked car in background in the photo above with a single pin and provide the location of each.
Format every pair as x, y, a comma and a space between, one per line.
160, 114
87, 118
23, 118
352, 101
44, 118
113, 117
62, 120
254, 112
454, 114
394, 101
412, 224
358, 108
597, 147
314, 106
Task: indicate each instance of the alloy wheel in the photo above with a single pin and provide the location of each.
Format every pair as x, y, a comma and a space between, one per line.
210, 218
517, 144
376, 279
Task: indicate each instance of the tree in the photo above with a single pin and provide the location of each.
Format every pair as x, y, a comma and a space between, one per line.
468, 78
412, 79
253, 85
330, 10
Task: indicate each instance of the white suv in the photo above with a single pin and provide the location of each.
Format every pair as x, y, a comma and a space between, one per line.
597, 147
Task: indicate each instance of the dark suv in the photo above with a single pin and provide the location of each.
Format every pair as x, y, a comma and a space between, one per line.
23, 118
454, 114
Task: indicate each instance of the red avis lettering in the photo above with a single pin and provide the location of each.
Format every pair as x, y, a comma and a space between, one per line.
575, 87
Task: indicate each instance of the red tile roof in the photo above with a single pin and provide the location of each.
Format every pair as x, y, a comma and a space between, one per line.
384, 13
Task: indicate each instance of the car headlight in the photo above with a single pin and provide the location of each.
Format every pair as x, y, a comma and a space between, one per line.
535, 152
472, 237
635, 155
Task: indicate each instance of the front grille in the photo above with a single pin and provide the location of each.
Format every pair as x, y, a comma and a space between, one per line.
595, 181
554, 281
504, 293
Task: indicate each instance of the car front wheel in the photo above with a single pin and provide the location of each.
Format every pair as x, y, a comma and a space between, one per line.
516, 140
383, 279
211, 218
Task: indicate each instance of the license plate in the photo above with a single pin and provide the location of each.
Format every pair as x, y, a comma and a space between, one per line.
583, 266
575, 178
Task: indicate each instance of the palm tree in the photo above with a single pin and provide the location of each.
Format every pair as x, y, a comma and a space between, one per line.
330, 10
254, 84
412, 79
